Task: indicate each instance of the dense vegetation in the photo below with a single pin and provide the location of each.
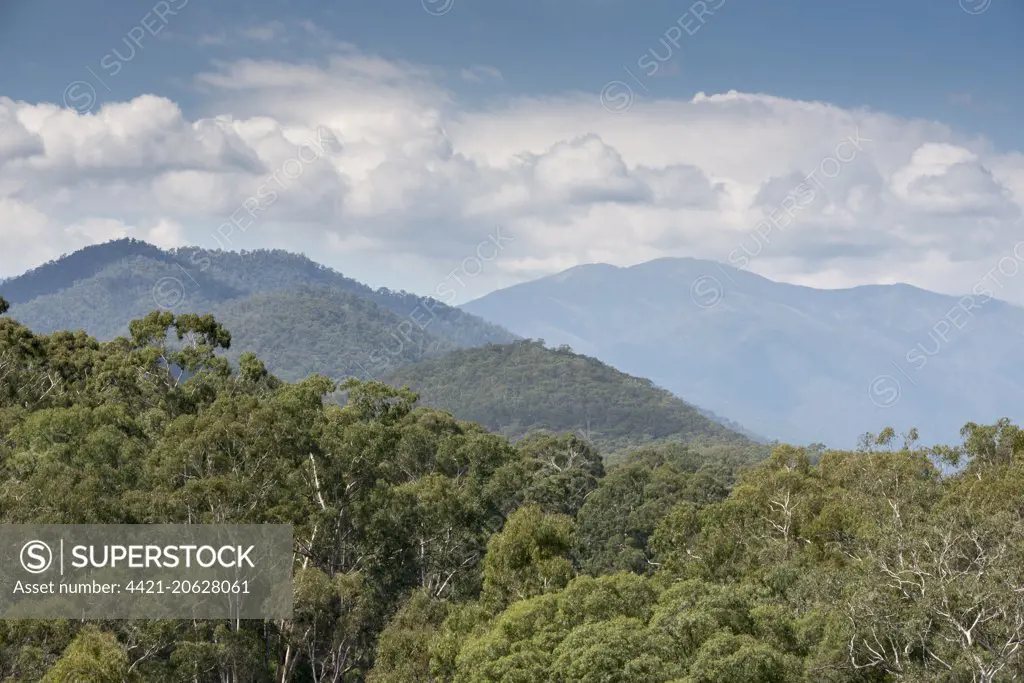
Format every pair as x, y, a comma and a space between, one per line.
433, 550
71, 268
309, 331
516, 389
789, 362
101, 288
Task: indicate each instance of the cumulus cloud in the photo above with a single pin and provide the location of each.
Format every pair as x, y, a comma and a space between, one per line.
417, 179
585, 171
944, 178
16, 141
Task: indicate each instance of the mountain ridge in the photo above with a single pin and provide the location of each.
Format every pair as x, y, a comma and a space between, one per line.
300, 317
101, 288
524, 387
193, 276
787, 361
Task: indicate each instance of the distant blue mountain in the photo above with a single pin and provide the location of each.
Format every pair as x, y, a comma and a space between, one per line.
299, 316
788, 362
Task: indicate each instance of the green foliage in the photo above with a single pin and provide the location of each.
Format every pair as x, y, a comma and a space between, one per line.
619, 518
524, 387
300, 317
528, 557
92, 656
385, 498
725, 658
428, 549
324, 331
405, 647
559, 472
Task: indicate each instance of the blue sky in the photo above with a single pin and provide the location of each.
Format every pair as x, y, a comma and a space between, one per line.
457, 116
916, 58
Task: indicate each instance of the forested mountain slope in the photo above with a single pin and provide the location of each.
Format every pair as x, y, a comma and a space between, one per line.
789, 362
522, 387
426, 548
323, 330
302, 316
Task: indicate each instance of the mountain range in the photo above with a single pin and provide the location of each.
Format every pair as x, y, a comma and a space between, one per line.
790, 362
301, 318
524, 387
786, 362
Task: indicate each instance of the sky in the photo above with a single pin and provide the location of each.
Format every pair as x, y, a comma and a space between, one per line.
404, 141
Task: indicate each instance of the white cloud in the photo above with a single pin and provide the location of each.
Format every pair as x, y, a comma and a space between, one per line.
166, 234
219, 38
481, 74
16, 141
585, 171
264, 33
422, 180
275, 31
94, 230
943, 178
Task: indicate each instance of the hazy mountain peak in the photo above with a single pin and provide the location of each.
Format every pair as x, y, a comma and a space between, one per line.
788, 361
341, 323
584, 270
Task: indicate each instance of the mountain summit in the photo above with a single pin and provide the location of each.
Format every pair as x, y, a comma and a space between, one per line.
787, 361
299, 316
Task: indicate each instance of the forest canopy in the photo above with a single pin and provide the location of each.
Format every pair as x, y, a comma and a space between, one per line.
430, 549
523, 387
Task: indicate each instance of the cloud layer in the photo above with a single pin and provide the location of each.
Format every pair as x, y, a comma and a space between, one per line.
414, 179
